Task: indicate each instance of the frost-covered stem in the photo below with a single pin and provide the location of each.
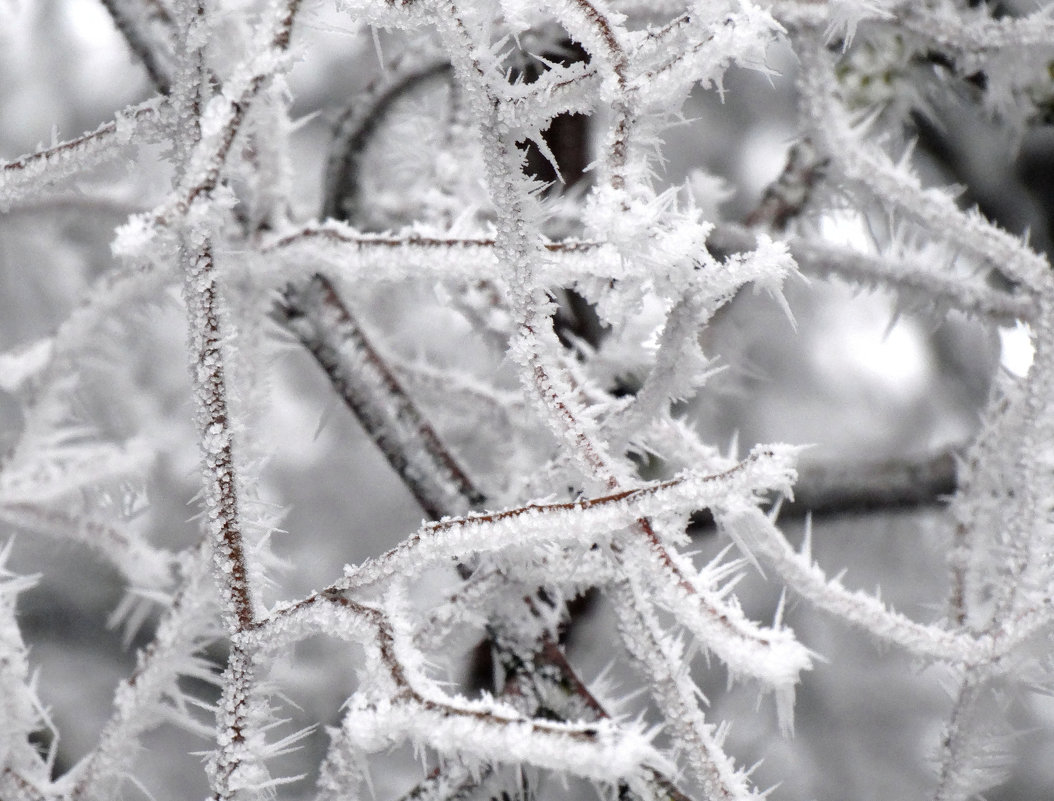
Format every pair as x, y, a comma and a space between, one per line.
870, 168
1020, 599
183, 630
972, 535
574, 520
414, 706
667, 378
909, 274
26, 175
678, 365
786, 197
488, 401
954, 782
188, 90
324, 325
760, 535
979, 37
959, 572
215, 430
204, 165
587, 22
518, 246
233, 717
915, 275
677, 696
1007, 466
338, 234
1027, 567
16, 787
221, 500
134, 557
352, 255
353, 132
771, 655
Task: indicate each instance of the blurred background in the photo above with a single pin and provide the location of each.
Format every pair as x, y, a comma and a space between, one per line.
856, 374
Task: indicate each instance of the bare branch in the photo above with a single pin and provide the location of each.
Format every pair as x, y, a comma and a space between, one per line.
325, 326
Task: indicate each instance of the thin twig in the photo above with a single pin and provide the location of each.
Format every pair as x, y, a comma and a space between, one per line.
353, 132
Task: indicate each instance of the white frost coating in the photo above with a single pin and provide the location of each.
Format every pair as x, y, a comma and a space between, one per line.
20, 709
702, 50
671, 686
680, 367
843, 16
898, 186
429, 253
982, 36
759, 534
20, 367
29, 175
582, 522
601, 751
134, 240
917, 270
63, 468
702, 605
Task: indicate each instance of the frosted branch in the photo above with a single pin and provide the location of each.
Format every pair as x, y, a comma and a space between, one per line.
399, 701
896, 186
356, 127
678, 698
911, 275
581, 521
760, 536
27, 175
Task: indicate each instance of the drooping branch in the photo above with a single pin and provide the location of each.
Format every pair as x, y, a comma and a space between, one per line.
354, 130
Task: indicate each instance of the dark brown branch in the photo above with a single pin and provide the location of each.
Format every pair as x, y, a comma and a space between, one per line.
786, 197
353, 132
134, 30
326, 327
214, 425
830, 489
